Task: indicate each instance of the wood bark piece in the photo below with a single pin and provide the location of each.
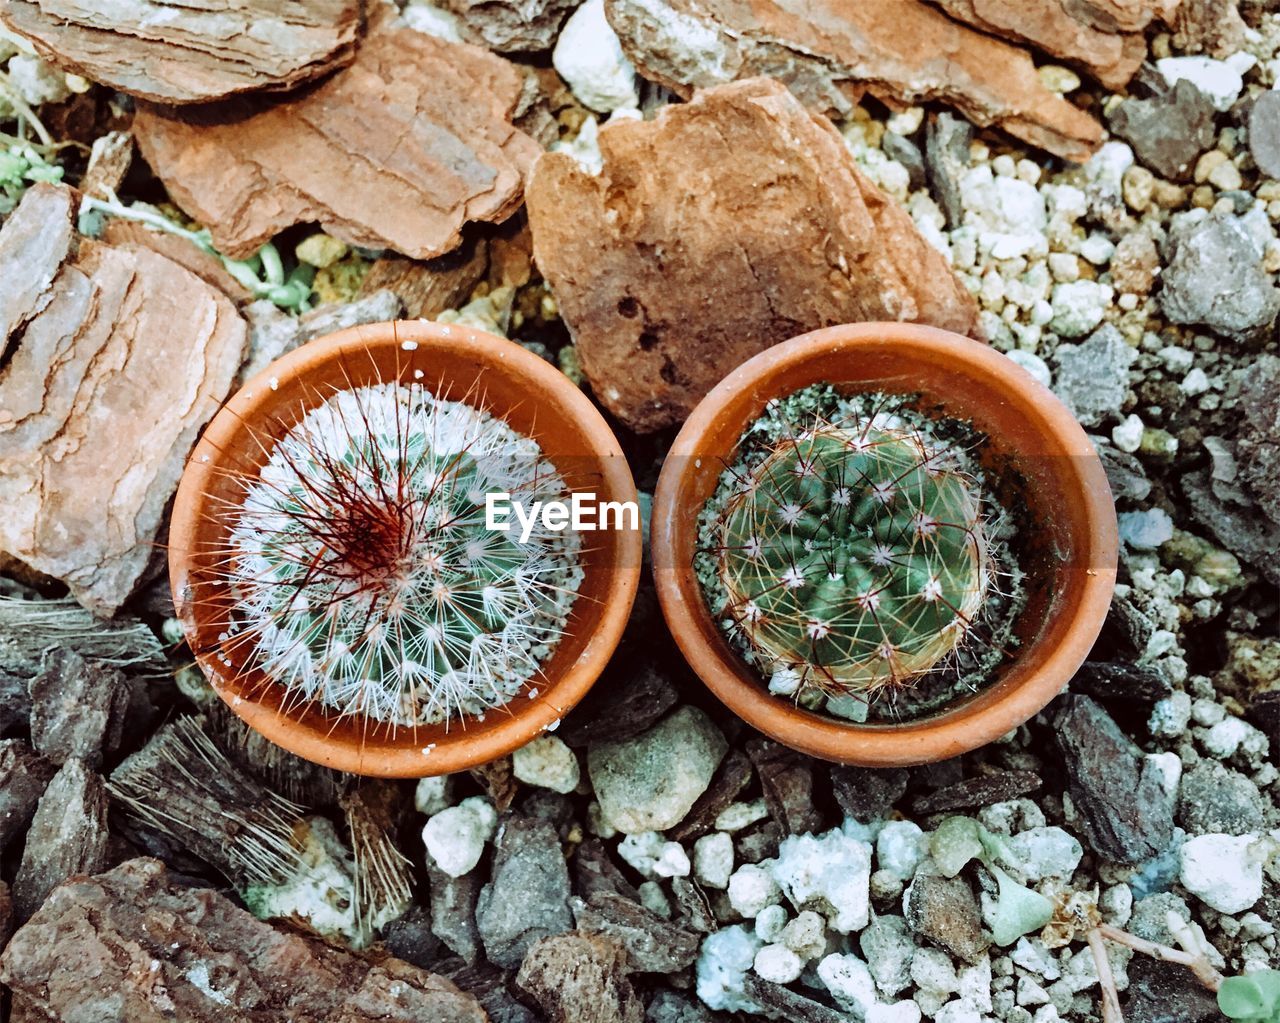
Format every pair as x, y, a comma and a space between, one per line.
722, 227
123, 358
79, 708
1062, 29
149, 950
399, 151
826, 51
68, 836
511, 26
176, 52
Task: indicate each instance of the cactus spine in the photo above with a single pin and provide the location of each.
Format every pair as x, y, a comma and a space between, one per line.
852, 558
365, 576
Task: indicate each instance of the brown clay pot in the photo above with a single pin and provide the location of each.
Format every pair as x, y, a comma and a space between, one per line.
1033, 439
457, 363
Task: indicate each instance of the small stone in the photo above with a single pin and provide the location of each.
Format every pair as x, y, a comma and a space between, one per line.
980, 790
432, 794
900, 848
723, 962
453, 911
654, 944
751, 889
806, 935
713, 860
1215, 799
931, 970
867, 793
1135, 264
1128, 435
653, 856
649, 782
829, 873
548, 763
888, 946
1227, 736
576, 978
1092, 378
737, 816
1097, 249
1219, 80
1168, 131
1078, 307
589, 58
778, 963
898, 1012
24, 775
945, 911
1064, 266
1214, 277
1264, 133
455, 838
849, 981
1033, 364
528, 895
947, 139
771, 922
1226, 177
1223, 871
1145, 530
1046, 852
1138, 188
787, 779
321, 250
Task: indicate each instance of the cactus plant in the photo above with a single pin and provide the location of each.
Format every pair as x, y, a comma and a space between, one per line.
851, 557
364, 576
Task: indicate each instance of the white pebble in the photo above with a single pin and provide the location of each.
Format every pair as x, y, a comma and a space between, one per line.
432, 794
770, 923
1128, 435
849, 981
547, 763
778, 964
1033, 364
713, 860
653, 856
589, 57
751, 889
455, 838
1223, 871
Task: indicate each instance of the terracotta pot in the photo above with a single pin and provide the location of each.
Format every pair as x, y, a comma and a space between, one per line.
1072, 564
456, 363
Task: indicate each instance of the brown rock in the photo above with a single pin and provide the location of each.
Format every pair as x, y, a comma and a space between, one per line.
720, 228
190, 53
512, 26
1212, 26
731, 779
427, 288
24, 775
1258, 444
109, 162
653, 945
1135, 263
580, 978
786, 777
1061, 29
827, 51
978, 791
149, 950
121, 336
68, 836
79, 708
399, 151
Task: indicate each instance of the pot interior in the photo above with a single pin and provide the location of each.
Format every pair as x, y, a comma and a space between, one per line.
453, 363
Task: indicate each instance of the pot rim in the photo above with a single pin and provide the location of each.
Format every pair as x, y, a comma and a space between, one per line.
964, 724
309, 732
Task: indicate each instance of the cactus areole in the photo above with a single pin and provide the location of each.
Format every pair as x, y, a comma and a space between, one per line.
852, 557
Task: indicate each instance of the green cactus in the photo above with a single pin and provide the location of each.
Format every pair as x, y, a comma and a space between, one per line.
852, 557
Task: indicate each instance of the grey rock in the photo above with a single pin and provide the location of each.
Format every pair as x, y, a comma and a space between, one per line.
6, 915
982, 790
695, 908
1213, 799
594, 871
489, 985
15, 704
1092, 378
1249, 535
944, 910
1169, 131
787, 779
1264, 133
1151, 914
78, 708
1257, 448
24, 775
782, 1003
1119, 795
410, 937
453, 911
1214, 277
512, 26
1165, 993
68, 836
887, 946
580, 978
731, 778
1125, 473
649, 782
907, 153
528, 896
627, 702
653, 945
673, 1007
946, 151
868, 793
1121, 683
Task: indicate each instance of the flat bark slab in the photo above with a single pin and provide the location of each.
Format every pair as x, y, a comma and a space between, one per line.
147, 949
123, 358
174, 52
398, 151
722, 227
827, 51
1064, 29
